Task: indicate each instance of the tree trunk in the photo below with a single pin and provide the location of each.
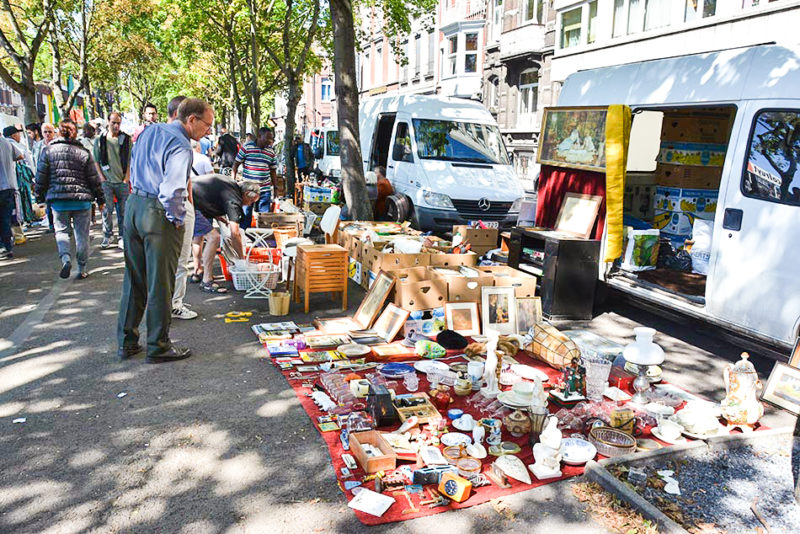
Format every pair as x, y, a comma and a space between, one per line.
29, 103
293, 98
255, 90
344, 45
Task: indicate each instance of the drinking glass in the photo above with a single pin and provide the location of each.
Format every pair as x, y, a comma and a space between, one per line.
475, 371
597, 372
411, 382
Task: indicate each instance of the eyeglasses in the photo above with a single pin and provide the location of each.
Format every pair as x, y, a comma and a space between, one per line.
115, 122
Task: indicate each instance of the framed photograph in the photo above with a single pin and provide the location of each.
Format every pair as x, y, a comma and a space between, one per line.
574, 138
783, 388
337, 325
498, 310
794, 359
373, 301
462, 317
390, 322
529, 313
578, 213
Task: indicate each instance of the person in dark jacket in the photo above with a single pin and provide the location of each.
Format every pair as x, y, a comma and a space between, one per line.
227, 148
67, 179
112, 156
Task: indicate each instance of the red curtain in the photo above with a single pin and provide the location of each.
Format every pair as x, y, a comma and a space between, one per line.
554, 182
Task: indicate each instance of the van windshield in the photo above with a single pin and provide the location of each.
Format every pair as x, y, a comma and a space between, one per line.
332, 141
459, 141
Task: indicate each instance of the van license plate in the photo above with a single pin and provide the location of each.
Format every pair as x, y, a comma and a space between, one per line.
489, 224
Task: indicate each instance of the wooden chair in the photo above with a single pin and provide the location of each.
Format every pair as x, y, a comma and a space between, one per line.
320, 268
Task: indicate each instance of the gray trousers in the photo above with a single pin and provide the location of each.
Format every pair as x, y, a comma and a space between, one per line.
64, 223
111, 190
152, 245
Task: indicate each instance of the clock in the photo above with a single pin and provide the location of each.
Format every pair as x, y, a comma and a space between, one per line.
455, 487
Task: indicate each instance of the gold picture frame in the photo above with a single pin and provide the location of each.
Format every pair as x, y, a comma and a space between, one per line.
390, 322
573, 137
578, 214
373, 301
783, 388
462, 317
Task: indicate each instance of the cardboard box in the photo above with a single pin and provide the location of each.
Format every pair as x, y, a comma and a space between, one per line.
445, 259
688, 176
460, 288
318, 208
477, 236
385, 462
700, 203
374, 259
524, 284
414, 289
700, 154
354, 270
696, 128
427, 322
273, 220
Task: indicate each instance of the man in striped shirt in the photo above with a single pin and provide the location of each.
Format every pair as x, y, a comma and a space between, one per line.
257, 160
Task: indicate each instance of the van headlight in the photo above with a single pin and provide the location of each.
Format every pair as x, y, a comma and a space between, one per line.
437, 200
517, 205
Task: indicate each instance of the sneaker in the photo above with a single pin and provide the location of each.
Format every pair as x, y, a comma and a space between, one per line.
6, 255
106, 243
183, 313
65, 270
120, 244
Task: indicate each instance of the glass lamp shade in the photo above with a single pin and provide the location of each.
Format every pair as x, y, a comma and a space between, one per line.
643, 351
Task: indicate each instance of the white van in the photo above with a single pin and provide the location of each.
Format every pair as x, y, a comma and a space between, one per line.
324, 144
445, 155
751, 284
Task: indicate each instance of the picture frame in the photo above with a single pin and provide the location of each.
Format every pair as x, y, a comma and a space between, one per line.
578, 214
498, 310
794, 359
783, 388
573, 137
529, 313
462, 317
336, 325
390, 322
373, 301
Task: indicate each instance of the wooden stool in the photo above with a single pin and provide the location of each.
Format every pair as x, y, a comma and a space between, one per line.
320, 268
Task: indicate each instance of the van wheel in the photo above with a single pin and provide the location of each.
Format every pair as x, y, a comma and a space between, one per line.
398, 208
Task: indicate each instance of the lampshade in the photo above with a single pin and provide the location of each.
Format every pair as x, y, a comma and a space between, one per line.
643, 351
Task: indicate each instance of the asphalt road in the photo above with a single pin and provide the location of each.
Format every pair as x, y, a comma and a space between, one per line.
218, 442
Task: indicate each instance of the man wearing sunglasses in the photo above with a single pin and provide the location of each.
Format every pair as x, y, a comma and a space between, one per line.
112, 156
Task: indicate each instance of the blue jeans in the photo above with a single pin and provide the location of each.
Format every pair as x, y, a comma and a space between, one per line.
7, 206
263, 205
111, 190
64, 222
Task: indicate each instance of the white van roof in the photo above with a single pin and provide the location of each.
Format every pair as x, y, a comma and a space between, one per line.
752, 73
428, 107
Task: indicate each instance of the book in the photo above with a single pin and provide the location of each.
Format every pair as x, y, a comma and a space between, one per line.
321, 356
277, 348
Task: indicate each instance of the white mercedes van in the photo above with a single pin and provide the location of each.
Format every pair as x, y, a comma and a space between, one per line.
445, 156
324, 144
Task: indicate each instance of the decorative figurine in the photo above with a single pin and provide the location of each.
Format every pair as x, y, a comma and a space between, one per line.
494, 432
517, 423
574, 379
741, 406
546, 453
441, 397
539, 397
490, 390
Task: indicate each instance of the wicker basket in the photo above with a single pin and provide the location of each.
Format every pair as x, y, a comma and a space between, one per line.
611, 442
255, 274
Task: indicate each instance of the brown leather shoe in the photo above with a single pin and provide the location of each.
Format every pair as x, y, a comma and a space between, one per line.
172, 355
125, 353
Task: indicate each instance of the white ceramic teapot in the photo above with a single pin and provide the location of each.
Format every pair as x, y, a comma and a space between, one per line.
741, 406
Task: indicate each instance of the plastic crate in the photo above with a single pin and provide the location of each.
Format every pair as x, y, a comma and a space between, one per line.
252, 275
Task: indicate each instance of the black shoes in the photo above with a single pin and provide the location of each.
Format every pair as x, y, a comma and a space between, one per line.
125, 353
172, 355
65, 270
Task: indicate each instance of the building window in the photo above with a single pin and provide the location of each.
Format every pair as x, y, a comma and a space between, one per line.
532, 10
657, 13
378, 64
431, 51
493, 93
417, 53
571, 28
528, 91
366, 74
497, 19
591, 35
404, 67
325, 89
471, 52
452, 56
696, 9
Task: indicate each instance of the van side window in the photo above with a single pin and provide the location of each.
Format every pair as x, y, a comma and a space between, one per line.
772, 172
401, 151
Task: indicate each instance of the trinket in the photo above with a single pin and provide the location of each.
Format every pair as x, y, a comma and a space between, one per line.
431, 474
517, 423
441, 397
623, 419
455, 487
546, 453
491, 369
513, 468
741, 406
494, 431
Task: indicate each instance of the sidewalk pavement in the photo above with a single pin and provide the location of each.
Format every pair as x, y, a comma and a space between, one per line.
218, 442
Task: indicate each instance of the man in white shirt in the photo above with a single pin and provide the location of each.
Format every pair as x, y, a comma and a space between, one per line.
201, 164
9, 154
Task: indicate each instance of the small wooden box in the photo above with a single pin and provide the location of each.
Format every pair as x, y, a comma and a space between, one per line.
426, 413
386, 462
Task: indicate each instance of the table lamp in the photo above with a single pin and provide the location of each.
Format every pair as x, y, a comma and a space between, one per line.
643, 352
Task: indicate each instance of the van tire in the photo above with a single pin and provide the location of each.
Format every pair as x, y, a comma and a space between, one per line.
399, 208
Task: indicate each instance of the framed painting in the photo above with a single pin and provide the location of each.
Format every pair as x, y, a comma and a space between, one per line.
498, 310
462, 317
390, 322
373, 301
574, 138
529, 313
578, 213
783, 388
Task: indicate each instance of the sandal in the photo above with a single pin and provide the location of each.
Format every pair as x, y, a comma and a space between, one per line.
82, 276
211, 287
196, 278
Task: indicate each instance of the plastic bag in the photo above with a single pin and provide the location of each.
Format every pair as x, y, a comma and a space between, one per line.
702, 231
641, 250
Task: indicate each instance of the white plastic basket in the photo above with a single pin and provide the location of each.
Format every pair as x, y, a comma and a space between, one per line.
256, 274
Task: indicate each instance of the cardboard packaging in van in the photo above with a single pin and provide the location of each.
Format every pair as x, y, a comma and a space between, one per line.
701, 203
460, 288
477, 236
524, 284
446, 259
688, 176
414, 289
674, 223
700, 154
705, 128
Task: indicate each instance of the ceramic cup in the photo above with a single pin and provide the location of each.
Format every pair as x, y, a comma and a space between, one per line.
523, 390
669, 429
475, 372
455, 413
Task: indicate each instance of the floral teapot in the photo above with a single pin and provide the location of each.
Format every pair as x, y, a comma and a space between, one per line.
741, 406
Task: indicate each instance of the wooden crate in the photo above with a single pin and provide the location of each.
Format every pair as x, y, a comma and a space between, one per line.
386, 462
320, 269
427, 413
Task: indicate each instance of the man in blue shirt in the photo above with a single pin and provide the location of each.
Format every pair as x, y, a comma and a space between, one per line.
153, 229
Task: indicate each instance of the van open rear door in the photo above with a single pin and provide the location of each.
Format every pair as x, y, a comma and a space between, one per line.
754, 281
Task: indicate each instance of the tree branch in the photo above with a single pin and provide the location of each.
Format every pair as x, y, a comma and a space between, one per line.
21, 38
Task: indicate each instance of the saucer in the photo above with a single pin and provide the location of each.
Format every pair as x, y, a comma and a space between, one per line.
657, 434
354, 350
529, 373
455, 438
511, 399
426, 366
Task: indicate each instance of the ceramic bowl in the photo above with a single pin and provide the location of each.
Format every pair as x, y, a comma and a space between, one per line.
576, 451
